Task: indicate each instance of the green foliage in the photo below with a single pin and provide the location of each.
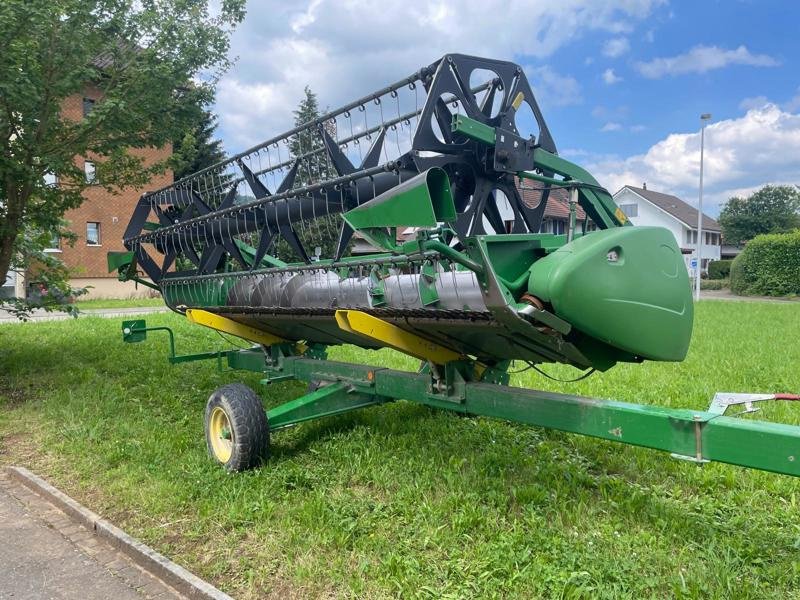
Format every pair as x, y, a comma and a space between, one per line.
714, 284
402, 501
769, 265
322, 232
197, 148
772, 209
146, 64
719, 269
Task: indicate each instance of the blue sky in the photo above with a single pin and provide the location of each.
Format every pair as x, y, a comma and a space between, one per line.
622, 84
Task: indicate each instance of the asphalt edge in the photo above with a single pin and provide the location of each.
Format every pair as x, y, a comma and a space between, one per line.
157, 564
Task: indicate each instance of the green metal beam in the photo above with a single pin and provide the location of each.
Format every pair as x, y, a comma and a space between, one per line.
592, 197
325, 401
473, 129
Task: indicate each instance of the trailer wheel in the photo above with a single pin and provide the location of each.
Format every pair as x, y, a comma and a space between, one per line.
237, 431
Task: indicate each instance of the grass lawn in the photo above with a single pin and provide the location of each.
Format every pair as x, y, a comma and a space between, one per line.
119, 303
403, 501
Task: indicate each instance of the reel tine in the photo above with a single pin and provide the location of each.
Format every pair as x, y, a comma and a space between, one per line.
288, 180
341, 163
374, 152
258, 188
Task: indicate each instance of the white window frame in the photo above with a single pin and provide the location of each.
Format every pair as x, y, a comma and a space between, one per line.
55, 247
99, 234
90, 171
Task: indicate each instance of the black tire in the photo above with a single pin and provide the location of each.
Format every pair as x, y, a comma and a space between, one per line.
246, 444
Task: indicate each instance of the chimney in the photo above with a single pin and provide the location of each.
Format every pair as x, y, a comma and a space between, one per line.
644, 185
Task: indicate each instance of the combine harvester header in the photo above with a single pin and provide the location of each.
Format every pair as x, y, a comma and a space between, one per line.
430, 173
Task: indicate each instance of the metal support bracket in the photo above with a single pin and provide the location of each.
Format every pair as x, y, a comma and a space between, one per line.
135, 331
699, 421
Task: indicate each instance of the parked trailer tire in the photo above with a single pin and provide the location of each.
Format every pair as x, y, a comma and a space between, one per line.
237, 431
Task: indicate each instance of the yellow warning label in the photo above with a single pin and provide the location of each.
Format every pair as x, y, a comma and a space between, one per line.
620, 215
518, 100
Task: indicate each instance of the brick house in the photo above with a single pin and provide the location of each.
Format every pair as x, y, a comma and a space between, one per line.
100, 221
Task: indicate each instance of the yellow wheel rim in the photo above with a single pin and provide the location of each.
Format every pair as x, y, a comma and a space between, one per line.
220, 433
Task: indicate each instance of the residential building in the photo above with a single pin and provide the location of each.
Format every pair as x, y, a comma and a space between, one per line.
556, 213
99, 223
648, 207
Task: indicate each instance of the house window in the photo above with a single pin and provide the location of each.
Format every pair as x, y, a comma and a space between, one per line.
90, 170
92, 233
54, 245
559, 227
629, 210
88, 105
691, 236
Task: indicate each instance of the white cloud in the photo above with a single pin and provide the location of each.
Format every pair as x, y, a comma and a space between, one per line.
616, 47
611, 126
637, 128
552, 88
793, 105
753, 102
610, 77
344, 50
701, 59
763, 146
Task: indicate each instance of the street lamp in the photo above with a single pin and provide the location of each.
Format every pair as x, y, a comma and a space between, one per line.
703, 118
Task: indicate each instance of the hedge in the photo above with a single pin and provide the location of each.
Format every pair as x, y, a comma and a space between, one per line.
769, 265
714, 284
719, 269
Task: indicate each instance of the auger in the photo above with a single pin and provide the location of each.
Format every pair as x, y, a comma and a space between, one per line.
427, 173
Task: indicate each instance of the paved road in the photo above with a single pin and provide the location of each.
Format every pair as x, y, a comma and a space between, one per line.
41, 315
45, 555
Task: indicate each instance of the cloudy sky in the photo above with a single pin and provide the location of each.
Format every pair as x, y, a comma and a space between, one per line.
621, 83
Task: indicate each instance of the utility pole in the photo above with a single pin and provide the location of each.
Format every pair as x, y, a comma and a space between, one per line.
703, 118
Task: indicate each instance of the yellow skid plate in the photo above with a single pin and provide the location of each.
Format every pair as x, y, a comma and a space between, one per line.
208, 319
391, 336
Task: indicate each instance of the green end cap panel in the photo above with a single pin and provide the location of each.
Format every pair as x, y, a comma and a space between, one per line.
627, 287
422, 201
118, 261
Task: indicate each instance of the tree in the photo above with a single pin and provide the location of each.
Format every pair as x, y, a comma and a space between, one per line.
197, 149
323, 232
147, 63
772, 209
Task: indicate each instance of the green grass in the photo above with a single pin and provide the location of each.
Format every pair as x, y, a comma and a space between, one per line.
119, 303
403, 501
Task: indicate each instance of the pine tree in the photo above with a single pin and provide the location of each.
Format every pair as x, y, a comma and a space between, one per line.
198, 149
323, 232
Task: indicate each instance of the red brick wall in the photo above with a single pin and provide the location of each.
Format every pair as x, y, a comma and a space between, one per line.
112, 211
